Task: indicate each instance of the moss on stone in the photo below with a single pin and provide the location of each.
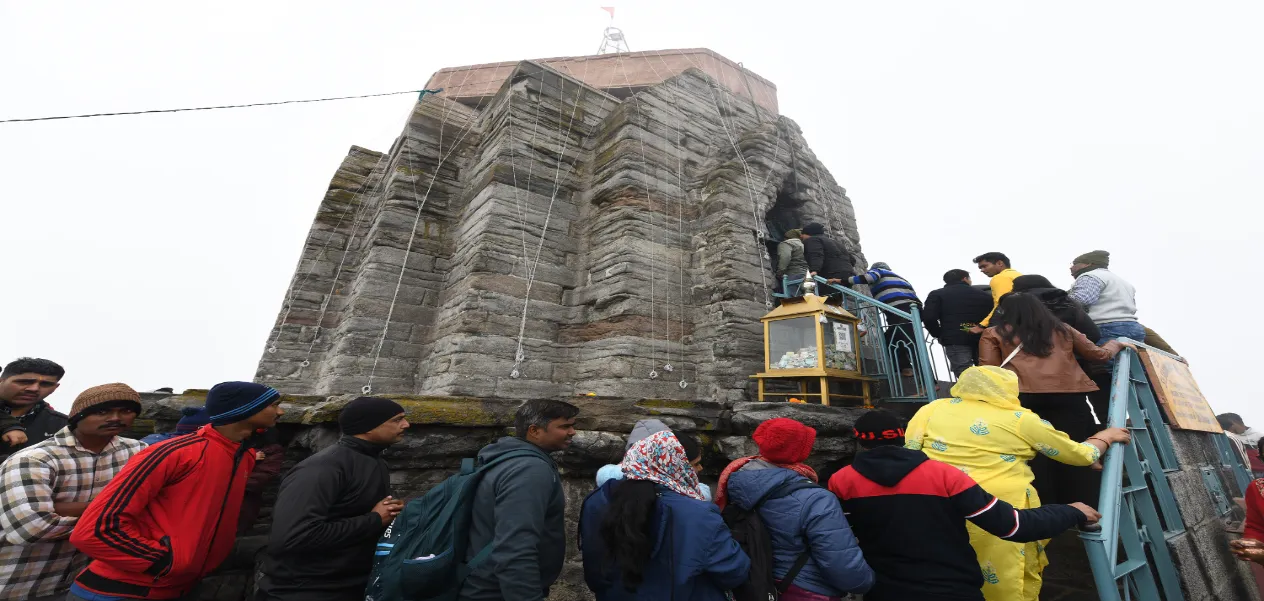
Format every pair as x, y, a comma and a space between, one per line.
427, 410
667, 404
143, 427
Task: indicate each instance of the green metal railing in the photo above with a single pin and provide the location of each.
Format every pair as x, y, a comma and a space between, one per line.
1139, 511
1231, 458
887, 343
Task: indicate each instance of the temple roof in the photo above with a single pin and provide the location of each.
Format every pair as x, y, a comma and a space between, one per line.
620, 74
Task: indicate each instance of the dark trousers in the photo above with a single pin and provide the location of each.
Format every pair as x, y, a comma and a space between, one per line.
961, 357
1100, 399
900, 339
1057, 482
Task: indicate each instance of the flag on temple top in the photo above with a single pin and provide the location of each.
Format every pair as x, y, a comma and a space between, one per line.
609, 9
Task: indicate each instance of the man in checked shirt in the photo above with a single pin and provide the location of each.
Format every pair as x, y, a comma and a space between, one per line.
45, 488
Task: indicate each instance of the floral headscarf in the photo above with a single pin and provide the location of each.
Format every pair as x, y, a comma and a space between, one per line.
660, 459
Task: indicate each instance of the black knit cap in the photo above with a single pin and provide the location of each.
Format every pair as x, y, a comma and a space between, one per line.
877, 428
366, 413
814, 229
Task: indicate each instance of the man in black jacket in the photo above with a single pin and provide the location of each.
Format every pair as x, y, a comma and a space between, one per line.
909, 514
825, 256
25, 418
949, 313
332, 508
519, 508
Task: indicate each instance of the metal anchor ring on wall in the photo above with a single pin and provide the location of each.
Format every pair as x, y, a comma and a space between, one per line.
368, 389
653, 374
515, 374
683, 384
271, 349
305, 363
668, 368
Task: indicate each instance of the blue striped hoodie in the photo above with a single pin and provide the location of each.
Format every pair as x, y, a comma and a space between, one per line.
887, 286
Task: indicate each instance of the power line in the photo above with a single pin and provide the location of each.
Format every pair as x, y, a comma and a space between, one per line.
226, 106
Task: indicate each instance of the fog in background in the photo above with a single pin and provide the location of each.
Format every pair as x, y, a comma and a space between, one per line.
155, 250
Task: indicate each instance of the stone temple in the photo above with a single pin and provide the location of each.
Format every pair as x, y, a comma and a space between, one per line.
566, 226
555, 227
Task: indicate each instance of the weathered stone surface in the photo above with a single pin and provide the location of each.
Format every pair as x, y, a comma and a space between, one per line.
605, 232
828, 421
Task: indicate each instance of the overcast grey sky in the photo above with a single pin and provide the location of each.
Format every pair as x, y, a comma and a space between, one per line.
155, 250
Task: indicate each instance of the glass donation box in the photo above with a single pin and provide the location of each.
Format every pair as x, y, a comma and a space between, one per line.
812, 354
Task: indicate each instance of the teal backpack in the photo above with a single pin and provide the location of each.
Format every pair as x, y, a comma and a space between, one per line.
421, 555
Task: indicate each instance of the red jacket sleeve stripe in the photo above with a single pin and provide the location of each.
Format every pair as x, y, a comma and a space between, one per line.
109, 526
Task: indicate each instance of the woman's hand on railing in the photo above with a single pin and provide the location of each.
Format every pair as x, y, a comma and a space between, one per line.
1102, 440
1113, 347
1091, 516
1113, 435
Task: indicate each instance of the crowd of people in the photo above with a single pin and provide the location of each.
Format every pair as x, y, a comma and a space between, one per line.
941, 509
89, 515
981, 480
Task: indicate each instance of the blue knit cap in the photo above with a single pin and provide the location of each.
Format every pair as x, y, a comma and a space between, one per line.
232, 402
192, 419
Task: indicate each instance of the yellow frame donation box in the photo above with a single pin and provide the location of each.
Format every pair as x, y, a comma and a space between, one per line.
811, 350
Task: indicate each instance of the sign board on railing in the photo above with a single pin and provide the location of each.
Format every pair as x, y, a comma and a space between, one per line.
1178, 394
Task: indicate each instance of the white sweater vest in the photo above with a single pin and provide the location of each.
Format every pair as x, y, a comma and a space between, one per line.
1117, 301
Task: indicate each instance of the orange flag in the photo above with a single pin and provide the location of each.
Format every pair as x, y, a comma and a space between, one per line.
609, 9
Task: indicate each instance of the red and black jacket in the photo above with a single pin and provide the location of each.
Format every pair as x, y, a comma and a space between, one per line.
165, 521
909, 514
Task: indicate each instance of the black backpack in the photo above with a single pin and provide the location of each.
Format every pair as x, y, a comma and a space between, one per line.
749, 532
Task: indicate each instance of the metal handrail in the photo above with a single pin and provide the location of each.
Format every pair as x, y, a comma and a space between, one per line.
886, 353
1113, 467
1131, 516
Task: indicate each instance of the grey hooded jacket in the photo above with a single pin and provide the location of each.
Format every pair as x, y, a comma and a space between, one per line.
519, 506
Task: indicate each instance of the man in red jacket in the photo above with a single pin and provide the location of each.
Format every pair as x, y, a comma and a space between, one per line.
170, 517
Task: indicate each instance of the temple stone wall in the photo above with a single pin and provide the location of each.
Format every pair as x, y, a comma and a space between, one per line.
1207, 571
631, 225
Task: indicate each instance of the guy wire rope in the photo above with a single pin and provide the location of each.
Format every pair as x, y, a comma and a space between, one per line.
513, 165
649, 206
759, 229
680, 226
289, 302
469, 126
520, 354
333, 284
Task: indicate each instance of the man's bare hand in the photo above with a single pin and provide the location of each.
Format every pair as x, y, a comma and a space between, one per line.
260, 455
1247, 549
68, 509
1090, 514
388, 508
14, 437
977, 330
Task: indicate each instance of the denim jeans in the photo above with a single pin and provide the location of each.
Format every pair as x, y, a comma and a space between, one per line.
960, 357
1115, 329
1128, 329
189, 596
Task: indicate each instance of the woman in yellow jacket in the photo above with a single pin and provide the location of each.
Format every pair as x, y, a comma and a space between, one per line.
985, 432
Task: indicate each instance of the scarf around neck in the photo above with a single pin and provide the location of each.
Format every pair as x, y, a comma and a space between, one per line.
722, 489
